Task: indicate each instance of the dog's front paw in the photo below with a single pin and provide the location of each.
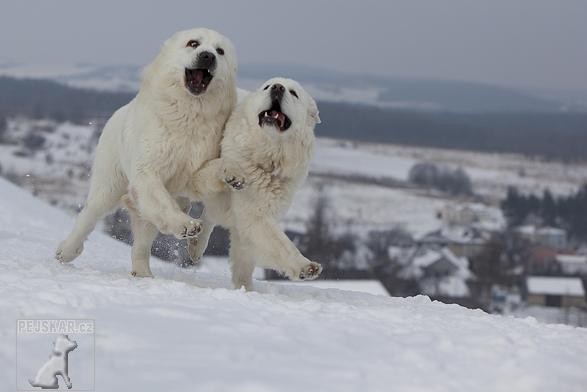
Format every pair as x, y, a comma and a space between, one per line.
188, 228
234, 178
67, 252
236, 183
310, 271
69, 385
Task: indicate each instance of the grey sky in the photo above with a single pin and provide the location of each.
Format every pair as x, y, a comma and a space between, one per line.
537, 43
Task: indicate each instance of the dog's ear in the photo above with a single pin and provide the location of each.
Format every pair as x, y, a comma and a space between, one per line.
313, 112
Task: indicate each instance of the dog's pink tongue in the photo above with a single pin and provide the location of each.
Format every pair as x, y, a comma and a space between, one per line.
198, 76
281, 119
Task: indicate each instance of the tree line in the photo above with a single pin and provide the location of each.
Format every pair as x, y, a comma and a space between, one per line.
556, 135
430, 175
567, 212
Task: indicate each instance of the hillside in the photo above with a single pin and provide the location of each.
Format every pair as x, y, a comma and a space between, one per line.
327, 85
187, 330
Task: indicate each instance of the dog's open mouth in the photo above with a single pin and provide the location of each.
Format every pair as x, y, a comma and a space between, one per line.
197, 80
275, 117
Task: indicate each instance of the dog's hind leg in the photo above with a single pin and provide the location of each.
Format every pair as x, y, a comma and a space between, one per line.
144, 234
197, 246
242, 263
273, 249
107, 186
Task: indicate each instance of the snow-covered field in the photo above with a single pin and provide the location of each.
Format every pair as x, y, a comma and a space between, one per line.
359, 208
188, 330
491, 174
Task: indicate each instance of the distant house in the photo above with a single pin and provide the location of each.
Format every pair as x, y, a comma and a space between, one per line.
471, 215
552, 236
547, 236
572, 264
561, 292
439, 273
453, 215
463, 241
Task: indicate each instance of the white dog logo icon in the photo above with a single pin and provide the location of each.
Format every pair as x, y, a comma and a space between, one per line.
46, 377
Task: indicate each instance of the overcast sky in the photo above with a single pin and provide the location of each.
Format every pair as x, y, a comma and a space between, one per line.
536, 43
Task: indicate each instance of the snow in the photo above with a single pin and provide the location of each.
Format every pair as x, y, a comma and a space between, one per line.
188, 330
555, 285
551, 231
573, 264
491, 173
426, 259
360, 208
360, 286
337, 160
572, 259
449, 286
570, 316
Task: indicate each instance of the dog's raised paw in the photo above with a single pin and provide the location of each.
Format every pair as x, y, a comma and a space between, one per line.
235, 182
310, 271
190, 229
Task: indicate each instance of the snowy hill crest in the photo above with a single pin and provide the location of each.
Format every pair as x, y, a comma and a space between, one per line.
279, 338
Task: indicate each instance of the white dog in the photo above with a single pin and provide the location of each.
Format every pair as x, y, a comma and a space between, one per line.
57, 365
150, 146
266, 150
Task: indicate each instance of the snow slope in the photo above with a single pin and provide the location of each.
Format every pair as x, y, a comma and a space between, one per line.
187, 330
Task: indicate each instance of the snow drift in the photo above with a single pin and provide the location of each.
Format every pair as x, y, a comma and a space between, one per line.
187, 330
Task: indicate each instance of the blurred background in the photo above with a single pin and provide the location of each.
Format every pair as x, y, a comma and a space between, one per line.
451, 159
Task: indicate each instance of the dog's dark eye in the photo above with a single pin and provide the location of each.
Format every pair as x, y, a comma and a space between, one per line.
293, 92
266, 87
193, 43
220, 51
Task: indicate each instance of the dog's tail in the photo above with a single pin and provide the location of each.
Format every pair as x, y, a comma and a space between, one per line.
33, 384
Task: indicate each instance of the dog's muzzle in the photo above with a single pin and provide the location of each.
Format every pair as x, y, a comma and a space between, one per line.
198, 78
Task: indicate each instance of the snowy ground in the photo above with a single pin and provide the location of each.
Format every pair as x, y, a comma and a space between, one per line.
359, 208
491, 174
187, 330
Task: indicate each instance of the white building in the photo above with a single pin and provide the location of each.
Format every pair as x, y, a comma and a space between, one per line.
555, 291
572, 264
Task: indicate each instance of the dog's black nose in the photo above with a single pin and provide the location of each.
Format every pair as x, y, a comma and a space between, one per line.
206, 60
277, 91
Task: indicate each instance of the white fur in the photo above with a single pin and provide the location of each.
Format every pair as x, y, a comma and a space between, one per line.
272, 164
150, 146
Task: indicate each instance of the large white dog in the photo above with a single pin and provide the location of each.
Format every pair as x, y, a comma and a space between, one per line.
266, 151
151, 146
